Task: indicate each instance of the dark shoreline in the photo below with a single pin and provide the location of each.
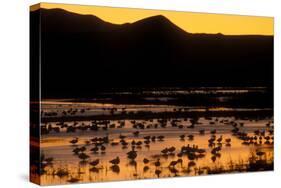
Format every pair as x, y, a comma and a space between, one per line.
262, 99
164, 115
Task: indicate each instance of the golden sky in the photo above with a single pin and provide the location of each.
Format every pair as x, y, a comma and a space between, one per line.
190, 22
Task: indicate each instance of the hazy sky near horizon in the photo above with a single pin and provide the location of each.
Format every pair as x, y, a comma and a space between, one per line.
189, 21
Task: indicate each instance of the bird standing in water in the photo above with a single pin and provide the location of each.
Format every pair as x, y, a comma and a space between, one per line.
74, 141
115, 161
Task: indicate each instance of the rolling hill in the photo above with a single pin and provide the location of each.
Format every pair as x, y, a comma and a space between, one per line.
82, 54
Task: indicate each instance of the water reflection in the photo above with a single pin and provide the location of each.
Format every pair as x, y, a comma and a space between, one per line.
153, 134
162, 148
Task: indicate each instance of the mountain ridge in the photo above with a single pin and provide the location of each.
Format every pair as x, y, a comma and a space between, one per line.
159, 17
150, 52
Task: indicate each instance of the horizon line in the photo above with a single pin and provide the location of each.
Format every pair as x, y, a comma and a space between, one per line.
38, 7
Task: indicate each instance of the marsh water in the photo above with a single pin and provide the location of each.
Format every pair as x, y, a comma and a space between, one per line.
156, 133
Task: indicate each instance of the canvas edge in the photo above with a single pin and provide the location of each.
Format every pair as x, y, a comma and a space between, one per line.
34, 80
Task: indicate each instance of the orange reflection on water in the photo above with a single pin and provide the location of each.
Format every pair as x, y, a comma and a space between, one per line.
60, 149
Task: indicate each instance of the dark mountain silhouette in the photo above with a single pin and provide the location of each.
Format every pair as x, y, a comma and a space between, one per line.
82, 54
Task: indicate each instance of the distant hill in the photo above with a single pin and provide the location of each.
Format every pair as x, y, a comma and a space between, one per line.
82, 54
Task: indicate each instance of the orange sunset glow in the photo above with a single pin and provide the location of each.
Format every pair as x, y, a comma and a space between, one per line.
190, 22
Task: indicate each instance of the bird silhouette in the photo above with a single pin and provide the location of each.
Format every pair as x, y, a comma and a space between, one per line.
115, 161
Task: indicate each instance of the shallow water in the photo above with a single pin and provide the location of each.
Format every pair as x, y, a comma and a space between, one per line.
57, 145
154, 113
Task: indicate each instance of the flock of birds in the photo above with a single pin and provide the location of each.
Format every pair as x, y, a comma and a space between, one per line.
134, 141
